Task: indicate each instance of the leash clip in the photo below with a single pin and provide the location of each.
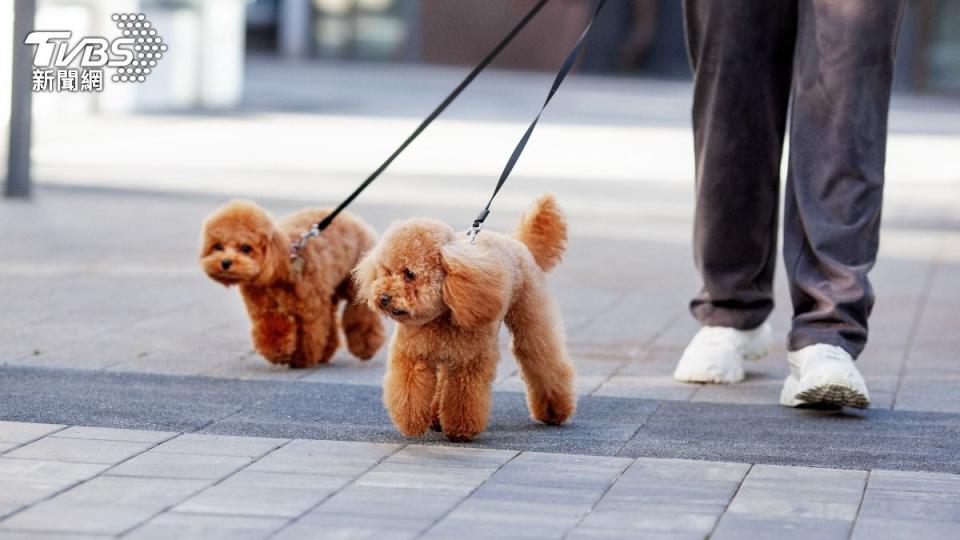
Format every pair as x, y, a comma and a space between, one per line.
477, 225
474, 231
298, 246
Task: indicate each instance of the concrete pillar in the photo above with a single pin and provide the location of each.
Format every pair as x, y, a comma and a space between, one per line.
293, 27
18, 159
222, 51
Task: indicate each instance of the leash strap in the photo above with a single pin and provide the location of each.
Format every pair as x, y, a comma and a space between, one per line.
564, 70
319, 227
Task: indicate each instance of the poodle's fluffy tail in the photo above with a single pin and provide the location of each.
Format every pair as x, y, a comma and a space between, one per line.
543, 230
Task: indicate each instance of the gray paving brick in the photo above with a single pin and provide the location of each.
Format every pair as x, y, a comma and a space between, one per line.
588, 533
498, 492
678, 481
220, 445
206, 527
904, 529
512, 504
164, 465
340, 526
799, 492
80, 450
660, 496
22, 432
408, 491
923, 482
565, 471
905, 500
737, 526
486, 526
104, 505
265, 494
323, 457
26, 481
112, 434
805, 478
911, 505
30, 535
436, 467
392, 503
455, 457
929, 393
643, 519
793, 502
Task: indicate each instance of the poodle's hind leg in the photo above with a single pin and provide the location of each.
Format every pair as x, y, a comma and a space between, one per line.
320, 338
540, 349
363, 329
408, 390
465, 398
275, 337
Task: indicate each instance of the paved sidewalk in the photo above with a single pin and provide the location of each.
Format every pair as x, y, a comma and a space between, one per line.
102, 482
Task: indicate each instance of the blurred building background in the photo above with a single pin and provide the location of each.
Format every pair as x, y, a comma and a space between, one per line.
211, 38
632, 37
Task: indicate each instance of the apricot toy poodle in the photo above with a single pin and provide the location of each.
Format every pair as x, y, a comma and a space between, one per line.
449, 297
293, 311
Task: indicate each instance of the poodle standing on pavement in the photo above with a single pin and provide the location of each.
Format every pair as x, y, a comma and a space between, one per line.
449, 298
294, 312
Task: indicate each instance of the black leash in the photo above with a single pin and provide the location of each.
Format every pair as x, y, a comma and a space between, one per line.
564, 69
317, 228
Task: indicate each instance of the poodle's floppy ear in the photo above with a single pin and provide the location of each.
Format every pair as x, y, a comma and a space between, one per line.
364, 275
474, 287
276, 257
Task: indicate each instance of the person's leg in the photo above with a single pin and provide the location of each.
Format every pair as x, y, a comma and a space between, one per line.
838, 132
741, 52
838, 137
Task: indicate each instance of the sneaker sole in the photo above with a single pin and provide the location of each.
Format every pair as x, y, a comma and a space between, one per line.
834, 394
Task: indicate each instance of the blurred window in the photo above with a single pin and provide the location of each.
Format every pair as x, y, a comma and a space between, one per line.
943, 51
361, 29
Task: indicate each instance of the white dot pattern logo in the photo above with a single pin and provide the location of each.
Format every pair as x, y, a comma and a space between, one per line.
148, 46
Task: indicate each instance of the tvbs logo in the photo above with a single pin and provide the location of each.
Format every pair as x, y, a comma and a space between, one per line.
62, 66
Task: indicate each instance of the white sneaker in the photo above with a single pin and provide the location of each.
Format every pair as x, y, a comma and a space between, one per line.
716, 353
824, 375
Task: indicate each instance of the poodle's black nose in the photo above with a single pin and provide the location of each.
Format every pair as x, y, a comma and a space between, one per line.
384, 300
225, 264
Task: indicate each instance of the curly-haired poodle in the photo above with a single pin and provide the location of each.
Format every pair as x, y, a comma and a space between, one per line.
449, 298
294, 312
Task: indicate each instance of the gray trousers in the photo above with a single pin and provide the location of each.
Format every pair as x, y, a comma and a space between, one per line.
836, 57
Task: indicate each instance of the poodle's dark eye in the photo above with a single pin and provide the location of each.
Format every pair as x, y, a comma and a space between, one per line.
246, 248
218, 247
409, 275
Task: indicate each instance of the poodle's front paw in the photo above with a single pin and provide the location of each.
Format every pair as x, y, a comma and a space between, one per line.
299, 362
460, 437
463, 429
411, 423
414, 428
365, 343
554, 409
275, 337
364, 331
